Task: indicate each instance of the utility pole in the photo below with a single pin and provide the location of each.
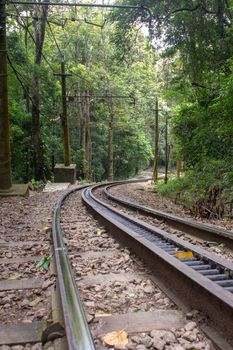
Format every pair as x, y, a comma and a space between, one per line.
110, 142
156, 141
65, 126
166, 151
65, 172
5, 152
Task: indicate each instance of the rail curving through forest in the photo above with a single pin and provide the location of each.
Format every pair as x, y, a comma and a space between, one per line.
200, 279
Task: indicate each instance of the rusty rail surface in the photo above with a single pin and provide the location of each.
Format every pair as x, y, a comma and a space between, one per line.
191, 227
203, 281
76, 327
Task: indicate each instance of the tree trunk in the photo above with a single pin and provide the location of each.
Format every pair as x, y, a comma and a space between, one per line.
39, 32
5, 151
38, 151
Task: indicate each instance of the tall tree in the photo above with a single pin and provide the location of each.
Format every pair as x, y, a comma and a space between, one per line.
39, 35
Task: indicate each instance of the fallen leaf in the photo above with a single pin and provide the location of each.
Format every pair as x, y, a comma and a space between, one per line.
45, 229
100, 231
14, 277
34, 302
44, 262
26, 321
115, 338
131, 295
102, 315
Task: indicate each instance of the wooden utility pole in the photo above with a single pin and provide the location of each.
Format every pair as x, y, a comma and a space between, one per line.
110, 148
166, 151
5, 152
66, 138
110, 141
65, 126
156, 142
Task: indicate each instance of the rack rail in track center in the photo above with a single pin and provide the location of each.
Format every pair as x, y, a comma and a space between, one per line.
191, 227
202, 282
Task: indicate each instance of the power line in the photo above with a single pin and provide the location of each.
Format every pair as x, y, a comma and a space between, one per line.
25, 89
37, 18
74, 4
18, 74
33, 39
64, 19
55, 40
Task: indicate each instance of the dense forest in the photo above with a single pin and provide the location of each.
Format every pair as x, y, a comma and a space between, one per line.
180, 52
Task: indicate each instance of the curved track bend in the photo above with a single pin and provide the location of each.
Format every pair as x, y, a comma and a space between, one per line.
201, 279
192, 227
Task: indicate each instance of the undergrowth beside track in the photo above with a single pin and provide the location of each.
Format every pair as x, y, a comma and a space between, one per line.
208, 194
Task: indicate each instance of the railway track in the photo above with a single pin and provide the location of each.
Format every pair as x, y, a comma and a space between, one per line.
117, 292
188, 274
193, 228
202, 280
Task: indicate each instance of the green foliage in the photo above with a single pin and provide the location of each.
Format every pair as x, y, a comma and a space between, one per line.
200, 32
189, 68
44, 262
203, 138
93, 59
38, 185
132, 153
207, 191
194, 40
203, 130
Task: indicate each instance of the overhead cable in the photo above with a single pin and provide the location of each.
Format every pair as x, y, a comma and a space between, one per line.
55, 40
33, 39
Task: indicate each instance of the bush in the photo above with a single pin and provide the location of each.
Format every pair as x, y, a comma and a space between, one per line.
207, 192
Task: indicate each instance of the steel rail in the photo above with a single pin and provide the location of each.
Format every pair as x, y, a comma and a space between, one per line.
76, 327
190, 226
203, 282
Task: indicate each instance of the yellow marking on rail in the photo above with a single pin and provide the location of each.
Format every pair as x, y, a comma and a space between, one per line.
184, 255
